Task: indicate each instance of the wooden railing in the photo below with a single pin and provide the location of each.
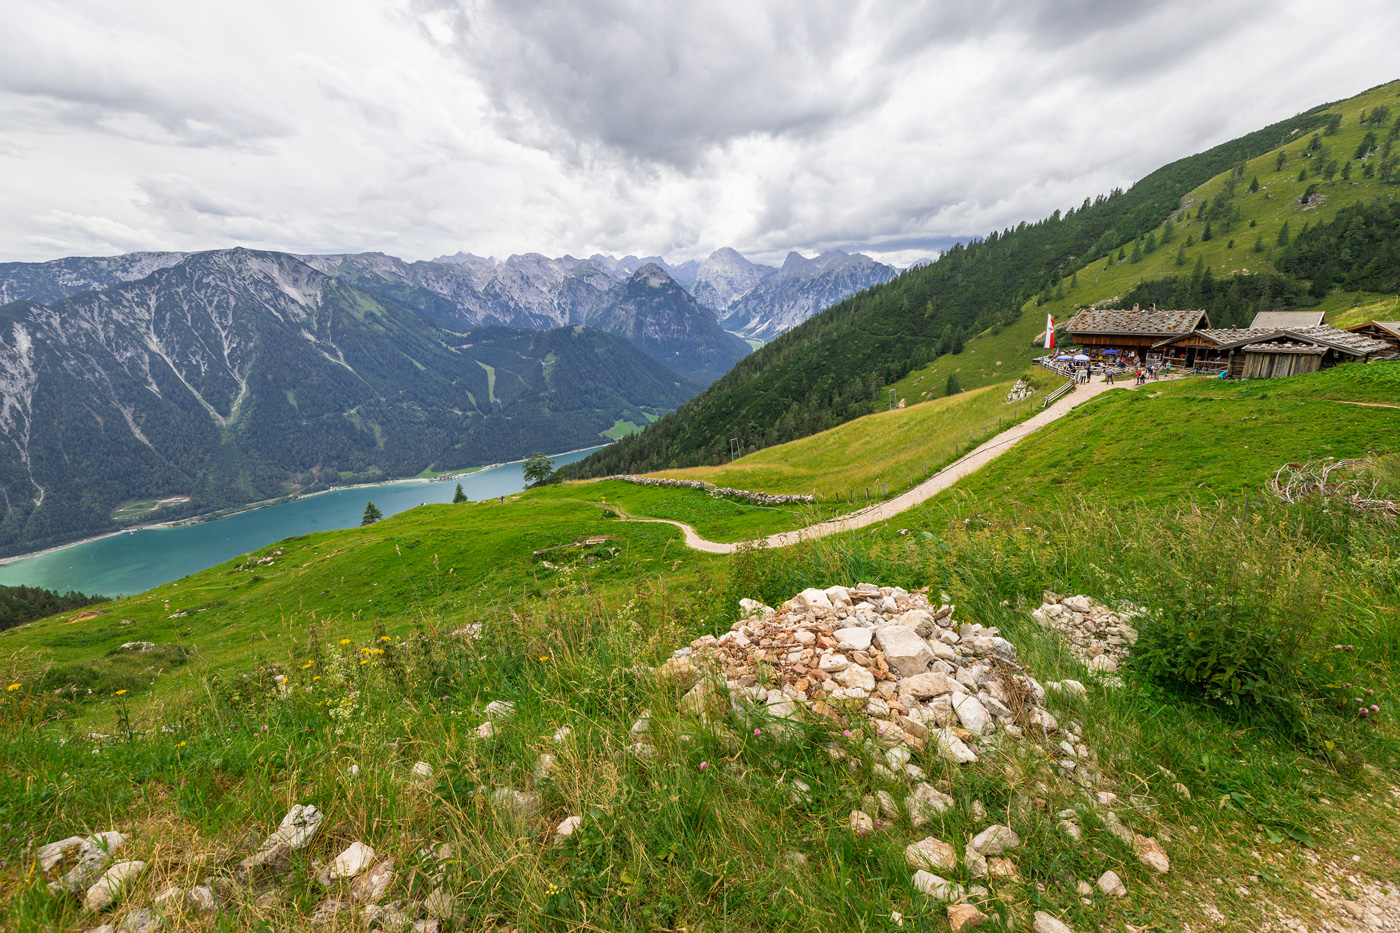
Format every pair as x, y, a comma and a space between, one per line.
1063, 390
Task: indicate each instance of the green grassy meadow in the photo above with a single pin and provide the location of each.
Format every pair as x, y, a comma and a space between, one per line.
898, 447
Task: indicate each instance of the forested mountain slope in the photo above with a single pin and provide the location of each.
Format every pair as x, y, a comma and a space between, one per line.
1303, 224
236, 376
654, 312
834, 366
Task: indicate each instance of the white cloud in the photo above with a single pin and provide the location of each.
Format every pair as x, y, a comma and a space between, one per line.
420, 127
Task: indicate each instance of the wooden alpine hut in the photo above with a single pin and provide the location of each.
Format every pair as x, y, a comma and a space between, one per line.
1385, 331
1134, 331
1263, 353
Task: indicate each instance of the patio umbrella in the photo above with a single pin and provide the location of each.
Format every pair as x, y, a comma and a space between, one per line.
1114, 352
1081, 358
1063, 358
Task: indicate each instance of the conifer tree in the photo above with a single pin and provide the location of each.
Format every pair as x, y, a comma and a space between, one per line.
1283, 234
1254, 184
1181, 255
1278, 162
1168, 232
953, 387
372, 514
459, 496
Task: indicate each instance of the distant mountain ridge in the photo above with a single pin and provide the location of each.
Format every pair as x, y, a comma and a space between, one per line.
653, 311
524, 290
234, 376
802, 287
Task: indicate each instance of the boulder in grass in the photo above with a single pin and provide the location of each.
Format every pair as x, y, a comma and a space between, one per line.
354, 859
110, 886
964, 917
931, 854
937, 887
995, 840
1044, 923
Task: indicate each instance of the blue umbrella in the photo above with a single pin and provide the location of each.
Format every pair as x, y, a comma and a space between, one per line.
1063, 358
1081, 358
1114, 352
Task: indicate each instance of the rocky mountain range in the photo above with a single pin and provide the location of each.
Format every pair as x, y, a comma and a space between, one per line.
234, 375
654, 312
524, 290
780, 301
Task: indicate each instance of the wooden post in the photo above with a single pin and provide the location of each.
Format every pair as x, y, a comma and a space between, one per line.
867, 495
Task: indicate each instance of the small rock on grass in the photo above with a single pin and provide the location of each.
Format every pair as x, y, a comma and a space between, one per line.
566, 828
140, 920
355, 859
1110, 884
995, 840
422, 771
965, 917
1044, 923
101, 895
1150, 853
937, 887
932, 854
861, 823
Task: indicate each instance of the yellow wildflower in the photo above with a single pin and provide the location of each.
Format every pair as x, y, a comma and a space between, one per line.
364, 661
317, 677
179, 744
120, 692
345, 641
377, 651
12, 688
385, 638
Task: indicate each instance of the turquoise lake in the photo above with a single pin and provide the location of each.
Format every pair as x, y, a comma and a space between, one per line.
128, 563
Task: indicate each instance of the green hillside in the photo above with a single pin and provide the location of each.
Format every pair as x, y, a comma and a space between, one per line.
898, 448
1246, 223
834, 367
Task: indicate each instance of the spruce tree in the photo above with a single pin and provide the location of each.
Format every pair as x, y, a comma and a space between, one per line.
1181, 255
1346, 171
459, 496
1254, 184
1283, 234
372, 514
953, 387
1278, 162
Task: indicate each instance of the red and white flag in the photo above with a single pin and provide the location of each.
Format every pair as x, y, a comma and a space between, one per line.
1049, 332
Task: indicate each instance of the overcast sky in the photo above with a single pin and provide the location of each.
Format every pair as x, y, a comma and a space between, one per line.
421, 127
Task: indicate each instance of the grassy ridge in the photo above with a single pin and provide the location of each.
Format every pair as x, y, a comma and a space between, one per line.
897, 447
1196, 439
450, 563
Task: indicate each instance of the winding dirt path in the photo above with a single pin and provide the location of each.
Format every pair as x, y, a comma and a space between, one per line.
968, 463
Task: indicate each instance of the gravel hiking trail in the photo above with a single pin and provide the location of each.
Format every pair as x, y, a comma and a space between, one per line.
968, 463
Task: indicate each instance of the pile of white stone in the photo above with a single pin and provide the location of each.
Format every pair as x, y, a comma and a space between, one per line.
1097, 635
1022, 389
880, 653
719, 492
921, 680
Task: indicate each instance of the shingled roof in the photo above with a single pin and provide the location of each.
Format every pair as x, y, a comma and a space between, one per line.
1285, 320
1137, 323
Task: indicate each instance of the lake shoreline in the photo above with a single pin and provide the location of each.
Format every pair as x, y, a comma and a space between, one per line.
269, 503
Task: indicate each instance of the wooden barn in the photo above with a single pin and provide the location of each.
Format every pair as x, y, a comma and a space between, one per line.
1134, 331
1261, 353
1385, 331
